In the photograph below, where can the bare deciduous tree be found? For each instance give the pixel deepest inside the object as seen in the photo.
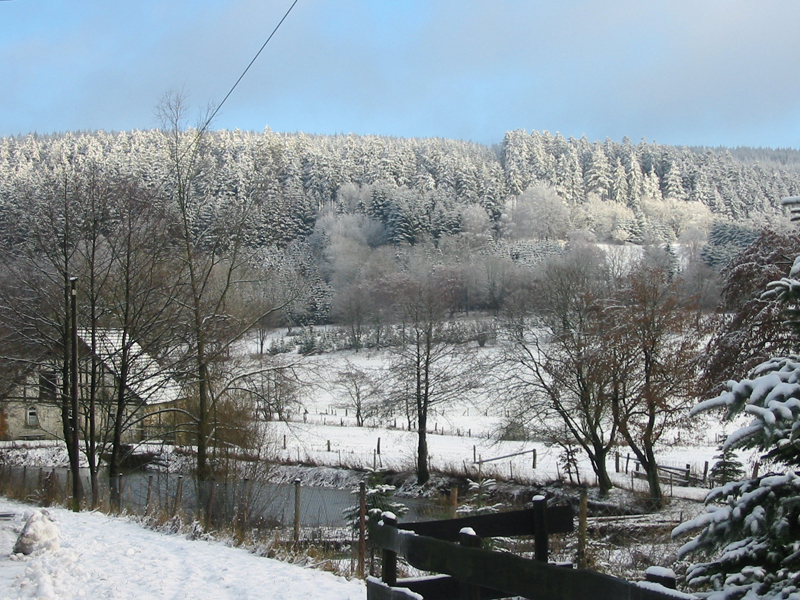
(428, 369)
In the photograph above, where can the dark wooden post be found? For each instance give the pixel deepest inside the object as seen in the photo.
(74, 441)
(389, 558)
(362, 528)
(467, 537)
(582, 518)
(296, 512)
(540, 528)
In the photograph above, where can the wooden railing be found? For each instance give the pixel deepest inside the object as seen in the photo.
(473, 573)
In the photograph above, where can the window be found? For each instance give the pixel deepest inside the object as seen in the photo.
(32, 417)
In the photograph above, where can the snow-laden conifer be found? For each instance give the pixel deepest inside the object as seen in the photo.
(749, 536)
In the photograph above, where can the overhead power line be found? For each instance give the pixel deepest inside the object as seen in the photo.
(203, 129)
(260, 50)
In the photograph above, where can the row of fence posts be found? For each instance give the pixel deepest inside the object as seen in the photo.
(176, 502)
(362, 513)
(48, 485)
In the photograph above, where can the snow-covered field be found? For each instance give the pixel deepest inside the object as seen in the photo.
(107, 557)
(460, 435)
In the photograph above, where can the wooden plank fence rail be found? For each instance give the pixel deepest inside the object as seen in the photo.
(667, 474)
(473, 573)
(558, 519)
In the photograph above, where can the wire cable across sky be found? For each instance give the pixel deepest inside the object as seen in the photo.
(260, 50)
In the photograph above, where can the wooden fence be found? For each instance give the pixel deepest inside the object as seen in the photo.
(473, 573)
(672, 475)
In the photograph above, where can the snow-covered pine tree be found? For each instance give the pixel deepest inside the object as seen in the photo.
(728, 466)
(750, 532)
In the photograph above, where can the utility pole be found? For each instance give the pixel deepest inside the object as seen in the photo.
(74, 441)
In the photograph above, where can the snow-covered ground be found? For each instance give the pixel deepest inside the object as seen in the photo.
(108, 557)
(460, 434)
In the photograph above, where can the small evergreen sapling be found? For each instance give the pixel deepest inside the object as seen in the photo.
(728, 466)
(378, 497)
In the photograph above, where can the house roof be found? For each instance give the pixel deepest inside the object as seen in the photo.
(146, 378)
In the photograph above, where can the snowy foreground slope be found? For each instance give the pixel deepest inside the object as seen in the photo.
(106, 557)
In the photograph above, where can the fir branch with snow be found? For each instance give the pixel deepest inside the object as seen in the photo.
(750, 532)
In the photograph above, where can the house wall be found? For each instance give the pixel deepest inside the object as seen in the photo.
(24, 397)
(35, 393)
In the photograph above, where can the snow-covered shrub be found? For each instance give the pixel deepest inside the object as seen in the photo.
(750, 532)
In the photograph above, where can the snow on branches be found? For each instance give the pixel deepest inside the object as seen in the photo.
(751, 529)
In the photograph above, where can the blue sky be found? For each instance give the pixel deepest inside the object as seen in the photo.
(715, 72)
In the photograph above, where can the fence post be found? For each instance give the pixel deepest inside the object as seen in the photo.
(54, 486)
(468, 538)
(389, 558)
(705, 472)
(616, 461)
(583, 512)
(362, 528)
(453, 500)
(296, 513)
(379, 445)
(210, 505)
(540, 528)
(480, 481)
(245, 503)
(149, 494)
(534, 458)
(178, 491)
